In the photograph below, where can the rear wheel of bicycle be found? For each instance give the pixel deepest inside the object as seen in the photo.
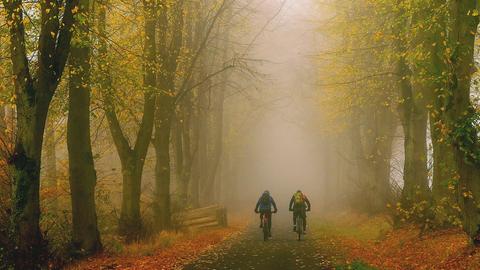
(265, 229)
(299, 228)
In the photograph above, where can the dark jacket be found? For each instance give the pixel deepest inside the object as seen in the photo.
(265, 204)
(304, 206)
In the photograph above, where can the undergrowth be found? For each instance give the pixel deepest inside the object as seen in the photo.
(361, 227)
(150, 247)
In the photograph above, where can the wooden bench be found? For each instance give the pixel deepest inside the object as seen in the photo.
(205, 217)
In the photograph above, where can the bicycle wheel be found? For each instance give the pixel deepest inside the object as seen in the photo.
(299, 227)
(265, 229)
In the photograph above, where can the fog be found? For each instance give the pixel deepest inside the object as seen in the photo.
(284, 152)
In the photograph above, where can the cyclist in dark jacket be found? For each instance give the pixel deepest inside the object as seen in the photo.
(299, 204)
(264, 207)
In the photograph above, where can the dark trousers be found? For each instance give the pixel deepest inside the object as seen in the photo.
(303, 214)
(269, 217)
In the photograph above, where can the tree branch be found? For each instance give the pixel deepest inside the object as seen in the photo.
(361, 79)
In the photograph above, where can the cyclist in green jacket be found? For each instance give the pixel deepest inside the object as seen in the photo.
(299, 204)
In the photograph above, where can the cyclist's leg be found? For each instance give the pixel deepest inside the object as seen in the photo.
(269, 216)
(295, 214)
(261, 219)
(304, 217)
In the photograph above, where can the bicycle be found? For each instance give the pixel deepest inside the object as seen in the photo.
(265, 227)
(299, 226)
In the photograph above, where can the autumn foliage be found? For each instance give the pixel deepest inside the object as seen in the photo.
(374, 242)
(167, 251)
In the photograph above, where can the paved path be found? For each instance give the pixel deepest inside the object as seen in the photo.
(282, 252)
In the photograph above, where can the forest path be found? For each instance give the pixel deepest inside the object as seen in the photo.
(283, 251)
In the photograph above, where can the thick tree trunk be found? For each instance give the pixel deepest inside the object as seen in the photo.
(444, 184)
(165, 109)
(415, 188)
(187, 111)
(186, 147)
(413, 117)
(385, 126)
(130, 223)
(185, 152)
(33, 98)
(85, 234)
(132, 158)
(26, 178)
(444, 180)
(460, 114)
(162, 204)
(444, 171)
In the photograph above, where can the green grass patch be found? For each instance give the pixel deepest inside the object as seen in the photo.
(360, 228)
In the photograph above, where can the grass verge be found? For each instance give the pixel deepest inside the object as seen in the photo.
(371, 241)
(166, 251)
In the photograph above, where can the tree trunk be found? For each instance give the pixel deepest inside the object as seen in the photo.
(216, 151)
(85, 234)
(3, 127)
(444, 172)
(202, 146)
(444, 184)
(186, 107)
(460, 114)
(161, 204)
(179, 157)
(50, 167)
(33, 97)
(385, 126)
(187, 152)
(132, 158)
(196, 158)
(413, 116)
(165, 109)
(415, 189)
(50, 157)
(130, 223)
(26, 178)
